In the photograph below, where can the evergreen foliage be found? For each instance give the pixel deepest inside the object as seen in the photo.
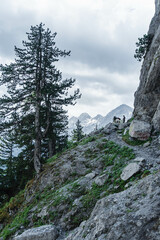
(78, 133)
(15, 169)
(143, 45)
(32, 110)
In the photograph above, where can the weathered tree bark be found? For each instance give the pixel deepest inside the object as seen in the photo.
(37, 145)
(51, 148)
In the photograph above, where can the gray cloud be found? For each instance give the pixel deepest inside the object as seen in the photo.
(100, 34)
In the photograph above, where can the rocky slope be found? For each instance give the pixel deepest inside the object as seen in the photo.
(90, 124)
(147, 96)
(81, 194)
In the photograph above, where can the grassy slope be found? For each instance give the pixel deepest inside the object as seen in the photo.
(59, 201)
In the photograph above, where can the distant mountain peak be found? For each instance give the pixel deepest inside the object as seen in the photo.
(73, 118)
(89, 124)
(98, 116)
(84, 116)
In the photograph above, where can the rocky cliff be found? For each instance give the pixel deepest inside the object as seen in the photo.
(147, 96)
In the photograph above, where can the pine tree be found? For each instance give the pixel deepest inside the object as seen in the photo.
(78, 133)
(35, 89)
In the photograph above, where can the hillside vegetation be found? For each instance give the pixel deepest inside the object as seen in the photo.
(71, 183)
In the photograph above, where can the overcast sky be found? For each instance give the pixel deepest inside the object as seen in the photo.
(101, 35)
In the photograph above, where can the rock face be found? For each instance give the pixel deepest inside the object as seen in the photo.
(140, 130)
(147, 96)
(47, 232)
(130, 214)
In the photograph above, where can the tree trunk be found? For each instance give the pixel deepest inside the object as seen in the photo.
(37, 145)
(51, 148)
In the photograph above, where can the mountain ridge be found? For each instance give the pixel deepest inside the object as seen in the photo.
(89, 123)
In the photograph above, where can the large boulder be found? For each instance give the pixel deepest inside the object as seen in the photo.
(130, 170)
(133, 168)
(46, 232)
(140, 130)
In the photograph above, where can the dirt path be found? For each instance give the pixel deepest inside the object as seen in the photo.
(151, 153)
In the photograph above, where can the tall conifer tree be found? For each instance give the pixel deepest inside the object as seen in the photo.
(35, 90)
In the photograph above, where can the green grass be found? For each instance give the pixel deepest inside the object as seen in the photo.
(87, 140)
(53, 159)
(19, 220)
(113, 157)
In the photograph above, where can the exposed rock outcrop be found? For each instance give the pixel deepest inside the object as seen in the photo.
(140, 130)
(147, 96)
(83, 194)
(132, 214)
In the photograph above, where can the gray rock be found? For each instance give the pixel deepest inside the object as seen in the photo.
(130, 170)
(140, 130)
(100, 180)
(122, 126)
(158, 161)
(147, 97)
(156, 119)
(90, 175)
(46, 232)
(147, 144)
(132, 214)
(43, 212)
(140, 160)
(110, 127)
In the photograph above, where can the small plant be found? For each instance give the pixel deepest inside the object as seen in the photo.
(53, 159)
(19, 220)
(145, 173)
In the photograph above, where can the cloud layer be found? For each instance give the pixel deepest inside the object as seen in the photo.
(101, 36)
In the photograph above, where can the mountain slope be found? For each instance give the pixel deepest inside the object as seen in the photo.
(80, 194)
